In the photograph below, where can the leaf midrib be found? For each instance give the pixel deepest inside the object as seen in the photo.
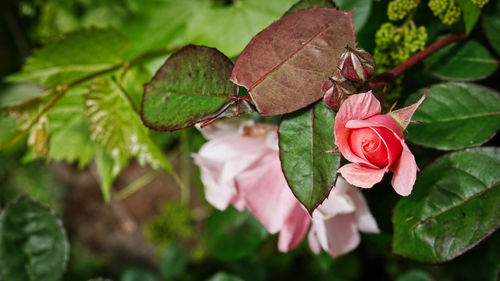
(423, 221)
(278, 66)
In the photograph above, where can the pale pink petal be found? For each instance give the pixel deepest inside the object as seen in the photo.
(342, 233)
(361, 176)
(266, 192)
(337, 202)
(364, 218)
(313, 242)
(355, 107)
(403, 115)
(294, 229)
(358, 107)
(221, 160)
(405, 172)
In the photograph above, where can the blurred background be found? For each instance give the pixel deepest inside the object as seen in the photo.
(151, 228)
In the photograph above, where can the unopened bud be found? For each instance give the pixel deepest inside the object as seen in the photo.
(356, 65)
(336, 90)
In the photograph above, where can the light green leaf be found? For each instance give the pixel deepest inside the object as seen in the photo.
(76, 55)
(159, 24)
(230, 28)
(118, 129)
(464, 61)
(454, 116)
(69, 133)
(33, 245)
(455, 205)
(307, 4)
(303, 137)
(471, 14)
(232, 235)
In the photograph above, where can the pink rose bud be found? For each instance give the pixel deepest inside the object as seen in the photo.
(336, 90)
(374, 143)
(356, 65)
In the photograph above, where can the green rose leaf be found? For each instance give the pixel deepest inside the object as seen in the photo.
(33, 245)
(232, 235)
(464, 61)
(454, 116)
(303, 137)
(192, 86)
(491, 25)
(455, 205)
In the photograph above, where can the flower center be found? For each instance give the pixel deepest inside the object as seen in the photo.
(366, 143)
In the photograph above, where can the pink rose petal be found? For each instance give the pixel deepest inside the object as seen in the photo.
(355, 107)
(405, 172)
(361, 176)
(294, 229)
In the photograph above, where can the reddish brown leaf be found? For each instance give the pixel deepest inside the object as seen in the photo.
(284, 66)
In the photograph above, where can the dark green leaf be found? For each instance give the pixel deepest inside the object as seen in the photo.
(76, 55)
(455, 204)
(33, 245)
(232, 235)
(173, 262)
(307, 4)
(118, 129)
(471, 13)
(222, 276)
(464, 61)
(415, 275)
(454, 116)
(192, 86)
(137, 274)
(303, 137)
(491, 25)
(286, 64)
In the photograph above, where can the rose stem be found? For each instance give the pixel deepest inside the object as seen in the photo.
(379, 81)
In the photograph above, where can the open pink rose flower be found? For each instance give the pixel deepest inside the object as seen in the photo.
(240, 166)
(374, 143)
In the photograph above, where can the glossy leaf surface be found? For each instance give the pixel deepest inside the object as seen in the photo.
(303, 137)
(455, 205)
(454, 116)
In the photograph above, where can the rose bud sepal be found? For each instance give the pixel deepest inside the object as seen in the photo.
(356, 64)
(336, 90)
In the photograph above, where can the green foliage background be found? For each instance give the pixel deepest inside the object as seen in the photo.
(81, 65)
